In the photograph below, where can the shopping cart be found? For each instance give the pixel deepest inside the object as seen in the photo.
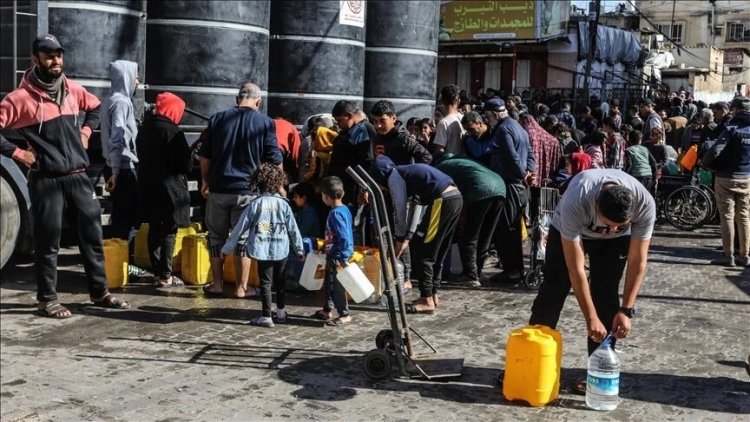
(548, 199)
(394, 346)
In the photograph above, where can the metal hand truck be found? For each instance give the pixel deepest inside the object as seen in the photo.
(548, 199)
(394, 346)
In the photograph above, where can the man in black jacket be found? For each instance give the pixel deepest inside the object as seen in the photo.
(352, 147)
(399, 145)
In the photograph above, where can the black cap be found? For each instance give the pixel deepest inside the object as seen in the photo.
(741, 103)
(645, 102)
(46, 43)
(495, 104)
(720, 104)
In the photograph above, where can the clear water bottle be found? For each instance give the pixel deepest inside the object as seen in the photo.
(399, 281)
(603, 379)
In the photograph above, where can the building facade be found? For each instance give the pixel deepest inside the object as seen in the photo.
(709, 40)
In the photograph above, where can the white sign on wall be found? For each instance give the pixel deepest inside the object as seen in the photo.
(352, 13)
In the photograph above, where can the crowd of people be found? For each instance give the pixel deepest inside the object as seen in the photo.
(470, 177)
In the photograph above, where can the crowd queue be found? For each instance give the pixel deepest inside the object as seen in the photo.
(469, 174)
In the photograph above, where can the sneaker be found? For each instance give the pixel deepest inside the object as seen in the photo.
(743, 261)
(280, 315)
(136, 271)
(725, 261)
(262, 321)
(472, 283)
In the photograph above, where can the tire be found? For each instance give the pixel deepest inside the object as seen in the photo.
(384, 340)
(714, 211)
(376, 364)
(10, 221)
(534, 277)
(687, 208)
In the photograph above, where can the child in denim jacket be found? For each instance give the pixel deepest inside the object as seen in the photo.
(264, 232)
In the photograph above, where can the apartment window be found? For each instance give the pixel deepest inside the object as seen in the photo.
(738, 32)
(674, 31)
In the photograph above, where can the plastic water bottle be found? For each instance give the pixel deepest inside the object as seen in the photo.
(399, 280)
(603, 379)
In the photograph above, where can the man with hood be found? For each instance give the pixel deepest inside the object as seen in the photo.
(426, 207)
(162, 182)
(44, 110)
(118, 133)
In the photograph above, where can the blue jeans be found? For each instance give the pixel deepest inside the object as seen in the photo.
(334, 292)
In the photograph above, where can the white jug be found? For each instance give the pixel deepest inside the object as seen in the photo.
(355, 282)
(313, 273)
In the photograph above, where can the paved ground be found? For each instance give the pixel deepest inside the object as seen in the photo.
(179, 356)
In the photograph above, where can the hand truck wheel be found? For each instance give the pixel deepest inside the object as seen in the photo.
(377, 364)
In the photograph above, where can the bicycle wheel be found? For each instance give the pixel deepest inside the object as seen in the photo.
(713, 213)
(687, 208)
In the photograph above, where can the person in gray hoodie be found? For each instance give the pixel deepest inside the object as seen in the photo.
(118, 133)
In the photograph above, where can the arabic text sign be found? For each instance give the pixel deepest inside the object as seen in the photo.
(486, 20)
(352, 13)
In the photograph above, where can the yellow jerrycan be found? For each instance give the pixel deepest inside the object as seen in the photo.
(533, 360)
(196, 261)
(115, 262)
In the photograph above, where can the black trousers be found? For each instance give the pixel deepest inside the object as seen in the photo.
(271, 275)
(646, 181)
(124, 203)
(49, 196)
(432, 241)
(481, 219)
(607, 259)
(508, 233)
(161, 241)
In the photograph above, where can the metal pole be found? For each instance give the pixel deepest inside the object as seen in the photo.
(593, 24)
(15, 45)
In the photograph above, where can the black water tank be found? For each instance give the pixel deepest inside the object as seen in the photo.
(96, 33)
(401, 59)
(316, 61)
(202, 50)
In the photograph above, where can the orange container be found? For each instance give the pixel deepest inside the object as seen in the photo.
(230, 275)
(532, 365)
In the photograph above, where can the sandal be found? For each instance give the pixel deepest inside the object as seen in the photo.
(411, 308)
(207, 291)
(322, 315)
(338, 322)
(55, 311)
(111, 302)
(580, 388)
(256, 293)
(176, 282)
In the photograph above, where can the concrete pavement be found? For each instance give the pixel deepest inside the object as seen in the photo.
(180, 356)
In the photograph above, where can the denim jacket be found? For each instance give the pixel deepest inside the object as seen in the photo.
(265, 230)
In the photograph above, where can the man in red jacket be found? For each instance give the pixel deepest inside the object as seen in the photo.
(44, 110)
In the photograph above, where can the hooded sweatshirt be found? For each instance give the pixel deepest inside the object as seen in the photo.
(51, 129)
(119, 129)
(417, 183)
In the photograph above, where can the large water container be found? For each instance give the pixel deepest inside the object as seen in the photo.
(532, 365)
(96, 33)
(401, 55)
(202, 50)
(316, 61)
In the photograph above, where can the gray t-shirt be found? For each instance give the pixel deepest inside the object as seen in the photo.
(449, 133)
(575, 215)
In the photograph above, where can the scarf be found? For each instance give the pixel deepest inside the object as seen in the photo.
(52, 89)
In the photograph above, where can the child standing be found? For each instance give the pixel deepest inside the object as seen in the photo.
(264, 232)
(339, 243)
(307, 218)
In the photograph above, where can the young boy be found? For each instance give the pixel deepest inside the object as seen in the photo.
(339, 244)
(307, 217)
(268, 227)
